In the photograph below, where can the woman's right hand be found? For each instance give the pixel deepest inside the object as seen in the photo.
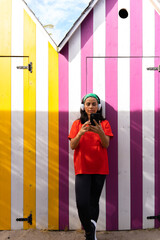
(85, 128)
(75, 141)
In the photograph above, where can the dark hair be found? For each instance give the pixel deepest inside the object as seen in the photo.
(84, 117)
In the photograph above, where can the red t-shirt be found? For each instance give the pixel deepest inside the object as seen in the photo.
(90, 157)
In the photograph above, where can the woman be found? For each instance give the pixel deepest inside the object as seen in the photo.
(90, 145)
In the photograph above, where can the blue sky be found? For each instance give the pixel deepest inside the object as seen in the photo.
(61, 13)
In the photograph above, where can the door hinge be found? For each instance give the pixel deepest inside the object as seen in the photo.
(154, 217)
(28, 219)
(29, 67)
(154, 68)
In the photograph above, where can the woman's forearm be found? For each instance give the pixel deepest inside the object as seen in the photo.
(104, 139)
(75, 141)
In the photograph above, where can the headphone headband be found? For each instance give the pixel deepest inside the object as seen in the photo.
(91, 95)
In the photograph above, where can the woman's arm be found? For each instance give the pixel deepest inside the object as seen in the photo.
(75, 141)
(104, 139)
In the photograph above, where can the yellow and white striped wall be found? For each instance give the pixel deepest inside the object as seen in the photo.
(29, 132)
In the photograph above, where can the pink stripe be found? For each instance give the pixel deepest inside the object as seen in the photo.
(87, 51)
(157, 120)
(63, 140)
(136, 113)
(111, 113)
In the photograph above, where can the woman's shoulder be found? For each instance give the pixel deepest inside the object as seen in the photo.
(77, 122)
(104, 121)
(107, 128)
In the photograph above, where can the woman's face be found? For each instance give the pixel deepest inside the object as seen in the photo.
(90, 106)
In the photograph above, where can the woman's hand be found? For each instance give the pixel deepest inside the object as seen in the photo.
(98, 129)
(75, 141)
(85, 128)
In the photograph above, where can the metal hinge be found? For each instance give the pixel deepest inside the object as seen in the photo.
(28, 219)
(29, 67)
(154, 68)
(154, 217)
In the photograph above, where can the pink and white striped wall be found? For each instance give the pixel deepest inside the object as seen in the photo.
(109, 55)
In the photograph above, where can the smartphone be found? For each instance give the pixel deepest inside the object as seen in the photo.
(95, 116)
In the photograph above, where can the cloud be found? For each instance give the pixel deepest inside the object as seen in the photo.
(61, 13)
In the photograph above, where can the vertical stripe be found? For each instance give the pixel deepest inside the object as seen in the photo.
(99, 29)
(124, 144)
(16, 144)
(17, 29)
(17, 116)
(29, 122)
(111, 100)
(63, 143)
(157, 119)
(136, 113)
(148, 114)
(99, 81)
(74, 109)
(41, 130)
(5, 115)
(53, 140)
(124, 118)
(87, 51)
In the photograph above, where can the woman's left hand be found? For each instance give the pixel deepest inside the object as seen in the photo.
(98, 129)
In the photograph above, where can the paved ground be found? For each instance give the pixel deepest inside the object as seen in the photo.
(153, 234)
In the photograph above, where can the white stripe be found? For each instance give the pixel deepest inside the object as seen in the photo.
(148, 114)
(17, 116)
(99, 37)
(99, 82)
(99, 29)
(41, 129)
(74, 107)
(124, 118)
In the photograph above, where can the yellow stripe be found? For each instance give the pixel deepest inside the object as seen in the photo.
(5, 114)
(29, 122)
(53, 141)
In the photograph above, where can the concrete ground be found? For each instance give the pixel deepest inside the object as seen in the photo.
(32, 234)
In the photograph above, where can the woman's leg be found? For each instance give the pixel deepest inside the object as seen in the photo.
(97, 184)
(83, 191)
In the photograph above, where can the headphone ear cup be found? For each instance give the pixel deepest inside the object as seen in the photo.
(99, 106)
(82, 106)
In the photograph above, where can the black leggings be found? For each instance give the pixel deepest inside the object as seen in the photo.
(88, 189)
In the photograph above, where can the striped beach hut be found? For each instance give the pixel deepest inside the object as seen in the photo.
(28, 120)
(108, 51)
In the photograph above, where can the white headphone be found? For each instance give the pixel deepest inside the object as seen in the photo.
(90, 95)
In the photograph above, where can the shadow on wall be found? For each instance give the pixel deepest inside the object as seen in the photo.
(127, 151)
(128, 139)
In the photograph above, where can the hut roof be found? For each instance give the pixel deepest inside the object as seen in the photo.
(30, 10)
(77, 23)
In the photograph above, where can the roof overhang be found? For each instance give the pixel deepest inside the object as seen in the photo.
(156, 5)
(34, 17)
(77, 24)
